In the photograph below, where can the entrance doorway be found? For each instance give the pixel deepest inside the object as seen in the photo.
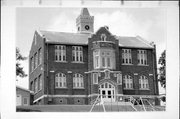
(107, 92)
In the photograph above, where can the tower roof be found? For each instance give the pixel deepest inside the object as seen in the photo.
(84, 11)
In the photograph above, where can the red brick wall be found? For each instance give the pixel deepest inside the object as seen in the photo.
(40, 68)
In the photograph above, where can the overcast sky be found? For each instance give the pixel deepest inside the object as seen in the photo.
(149, 23)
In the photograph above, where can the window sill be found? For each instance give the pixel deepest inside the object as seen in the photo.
(77, 62)
(142, 65)
(60, 87)
(144, 89)
(128, 88)
(61, 61)
(126, 64)
(78, 88)
(119, 84)
(95, 83)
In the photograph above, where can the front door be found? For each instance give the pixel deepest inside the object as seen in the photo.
(18, 100)
(107, 92)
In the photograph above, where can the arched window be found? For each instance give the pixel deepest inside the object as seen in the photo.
(78, 81)
(128, 82)
(143, 82)
(103, 37)
(60, 80)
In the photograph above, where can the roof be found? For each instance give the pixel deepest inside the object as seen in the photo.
(22, 88)
(85, 12)
(137, 42)
(65, 38)
(82, 39)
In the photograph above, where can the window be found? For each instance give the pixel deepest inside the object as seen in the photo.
(126, 56)
(77, 54)
(32, 64)
(39, 82)
(60, 53)
(128, 82)
(103, 37)
(60, 80)
(119, 78)
(35, 60)
(25, 101)
(39, 56)
(36, 85)
(143, 82)
(142, 57)
(96, 59)
(31, 86)
(78, 81)
(95, 78)
(104, 58)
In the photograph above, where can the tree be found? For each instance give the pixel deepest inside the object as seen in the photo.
(19, 69)
(162, 69)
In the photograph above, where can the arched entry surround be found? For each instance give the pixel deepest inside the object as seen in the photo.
(107, 90)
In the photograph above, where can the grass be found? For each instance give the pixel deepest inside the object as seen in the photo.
(84, 108)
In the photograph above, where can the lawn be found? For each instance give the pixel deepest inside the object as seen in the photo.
(84, 108)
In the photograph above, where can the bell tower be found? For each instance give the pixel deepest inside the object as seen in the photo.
(85, 22)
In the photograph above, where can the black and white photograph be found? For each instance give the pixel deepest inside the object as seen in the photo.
(92, 59)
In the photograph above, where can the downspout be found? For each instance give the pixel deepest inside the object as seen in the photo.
(155, 71)
(47, 75)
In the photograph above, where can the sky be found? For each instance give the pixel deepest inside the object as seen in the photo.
(149, 23)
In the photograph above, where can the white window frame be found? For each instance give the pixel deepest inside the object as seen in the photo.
(143, 83)
(95, 78)
(106, 58)
(60, 53)
(96, 59)
(126, 56)
(142, 57)
(128, 82)
(103, 37)
(119, 78)
(77, 54)
(78, 81)
(27, 101)
(60, 80)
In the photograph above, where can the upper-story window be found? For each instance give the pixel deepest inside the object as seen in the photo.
(35, 60)
(142, 57)
(128, 82)
(39, 56)
(143, 82)
(126, 56)
(95, 78)
(60, 80)
(103, 37)
(31, 64)
(40, 82)
(32, 86)
(104, 58)
(77, 53)
(60, 53)
(96, 59)
(78, 81)
(36, 85)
